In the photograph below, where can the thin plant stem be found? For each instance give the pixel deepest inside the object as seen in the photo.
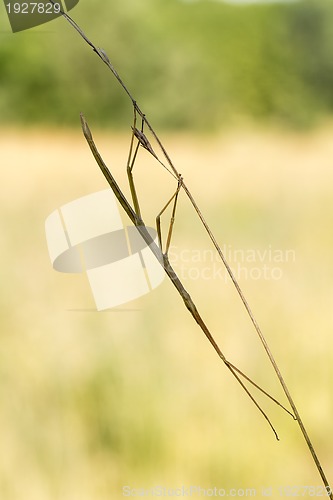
(188, 302)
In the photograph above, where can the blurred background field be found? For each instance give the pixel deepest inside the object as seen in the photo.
(210, 63)
(91, 402)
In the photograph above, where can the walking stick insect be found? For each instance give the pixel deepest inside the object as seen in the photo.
(135, 216)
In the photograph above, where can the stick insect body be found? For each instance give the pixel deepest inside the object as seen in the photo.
(135, 216)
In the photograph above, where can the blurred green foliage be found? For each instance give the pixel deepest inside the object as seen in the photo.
(195, 65)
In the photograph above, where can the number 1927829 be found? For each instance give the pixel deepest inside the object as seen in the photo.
(33, 8)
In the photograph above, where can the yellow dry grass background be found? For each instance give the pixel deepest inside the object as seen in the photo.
(91, 402)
